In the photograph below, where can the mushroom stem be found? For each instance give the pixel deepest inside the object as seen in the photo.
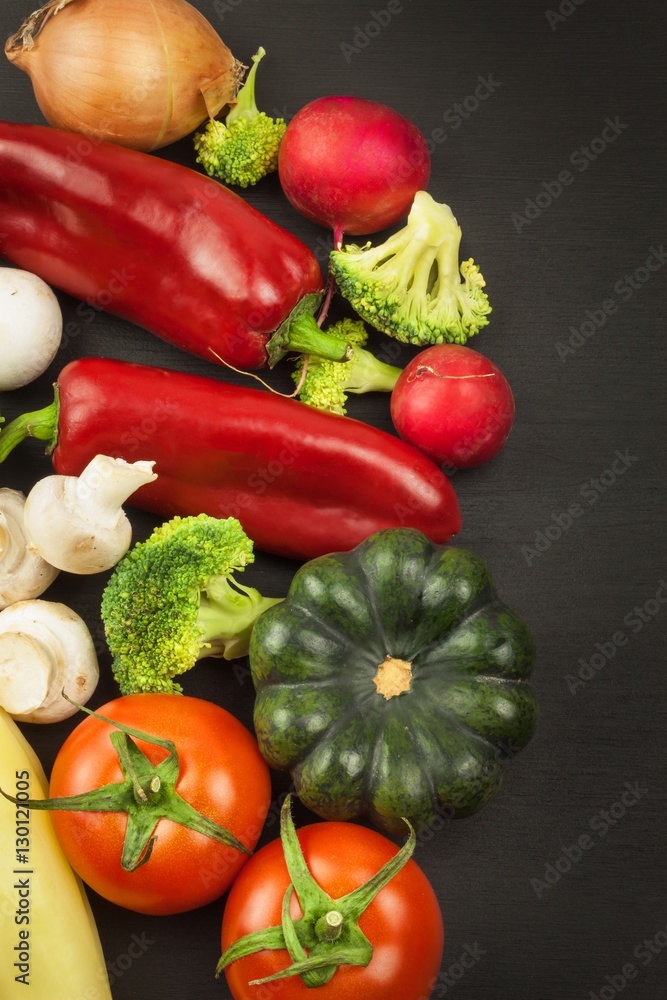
(78, 523)
(99, 493)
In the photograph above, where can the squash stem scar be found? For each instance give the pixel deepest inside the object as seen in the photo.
(393, 677)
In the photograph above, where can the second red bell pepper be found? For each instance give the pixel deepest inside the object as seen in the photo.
(302, 482)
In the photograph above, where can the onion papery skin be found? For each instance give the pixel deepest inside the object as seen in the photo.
(138, 73)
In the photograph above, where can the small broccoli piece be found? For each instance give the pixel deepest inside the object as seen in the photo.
(172, 600)
(245, 147)
(409, 287)
(327, 382)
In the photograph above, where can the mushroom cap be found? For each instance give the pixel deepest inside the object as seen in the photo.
(31, 326)
(45, 650)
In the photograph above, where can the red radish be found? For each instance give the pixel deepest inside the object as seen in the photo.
(454, 405)
(352, 165)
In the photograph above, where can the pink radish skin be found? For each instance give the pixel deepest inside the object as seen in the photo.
(454, 405)
(352, 165)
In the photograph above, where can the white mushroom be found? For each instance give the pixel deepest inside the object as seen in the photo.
(23, 572)
(31, 327)
(77, 523)
(45, 649)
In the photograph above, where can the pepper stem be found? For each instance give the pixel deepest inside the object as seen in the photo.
(41, 424)
(300, 334)
(306, 337)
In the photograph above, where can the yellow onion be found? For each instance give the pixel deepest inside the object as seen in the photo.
(142, 73)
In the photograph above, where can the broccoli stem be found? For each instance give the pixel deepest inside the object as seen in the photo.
(227, 614)
(246, 106)
(40, 424)
(368, 374)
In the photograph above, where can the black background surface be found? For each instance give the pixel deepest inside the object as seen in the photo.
(554, 87)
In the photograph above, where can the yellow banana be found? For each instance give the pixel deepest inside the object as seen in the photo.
(48, 938)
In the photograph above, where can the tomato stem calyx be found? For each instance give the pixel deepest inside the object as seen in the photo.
(327, 936)
(329, 927)
(147, 794)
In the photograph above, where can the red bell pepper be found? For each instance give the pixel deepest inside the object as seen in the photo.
(302, 482)
(158, 244)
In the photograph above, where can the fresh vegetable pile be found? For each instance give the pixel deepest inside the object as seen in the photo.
(390, 681)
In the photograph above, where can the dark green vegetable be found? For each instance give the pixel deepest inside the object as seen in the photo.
(392, 682)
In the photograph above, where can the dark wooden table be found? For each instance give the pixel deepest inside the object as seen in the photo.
(555, 172)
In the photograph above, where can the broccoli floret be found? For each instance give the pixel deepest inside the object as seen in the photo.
(409, 287)
(327, 382)
(172, 600)
(245, 147)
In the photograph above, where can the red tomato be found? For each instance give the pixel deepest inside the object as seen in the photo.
(454, 405)
(403, 923)
(222, 775)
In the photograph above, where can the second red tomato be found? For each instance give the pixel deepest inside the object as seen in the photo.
(403, 923)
